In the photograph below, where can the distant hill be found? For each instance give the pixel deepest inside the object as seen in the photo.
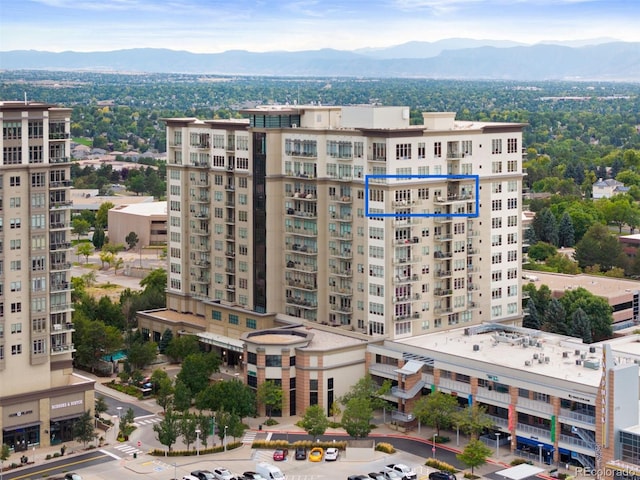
(453, 58)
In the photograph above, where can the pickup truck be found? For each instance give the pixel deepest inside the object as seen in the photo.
(406, 472)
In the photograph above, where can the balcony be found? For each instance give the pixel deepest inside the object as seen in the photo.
(344, 291)
(341, 253)
(442, 292)
(341, 199)
(303, 249)
(342, 235)
(442, 310)
(377, 158)
(403, 221)
(341, 272)
(59, 286)
(200, 231)
(453, 198)
(202, 215)
(473, 251)
(301, 285)
(201, 247)
(230, 270)
(443, 220)
(407, 298)
(60, 246)
(229, 188)
(303, 303)
(202, 263)
(61, 307)
(405, 241)
(407, 260)
(200, 279)
(200, 199)
(59, 226)
(231, 287)
(302, 267)
(60, 184)
(577, 416)
(439, 254)
(58, 160)
(342, 217)
(58, 266)
(62, 327)
(301, 213)
(57, 204)
(443, 273)
(303, 176)
(200, 164)
(229, 254)
(405, 279)
(304, 232)
(60, 349)
(230, 238)
(304, 196)
(443, 238)
(58, 135)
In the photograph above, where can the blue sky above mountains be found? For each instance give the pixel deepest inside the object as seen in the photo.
(210, 26)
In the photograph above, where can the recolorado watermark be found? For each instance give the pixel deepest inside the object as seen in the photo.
(605, 472)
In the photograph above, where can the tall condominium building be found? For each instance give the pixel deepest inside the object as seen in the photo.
(40, 396)
(346, 216)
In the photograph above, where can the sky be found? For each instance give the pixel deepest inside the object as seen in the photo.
(212, 26)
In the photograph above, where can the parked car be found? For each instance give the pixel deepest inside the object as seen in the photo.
(253, 476)
(315, 455)
(358, 477)
(189, 477)
(331, 454)
(203, 474)
(442, 476)
(301, 453)
(280, 455)
(222, 473)
(377, 475)
(72, 476)
(392, 475)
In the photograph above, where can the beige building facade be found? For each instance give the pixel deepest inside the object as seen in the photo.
(147, 220)
(40, 396)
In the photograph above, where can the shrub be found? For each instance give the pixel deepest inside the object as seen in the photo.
(269, 422)
(335, 424)
(185, 453)
(308, 444)
(470, 476)
(438, 465)
(385, 447)
(520, 461)
(441, 439)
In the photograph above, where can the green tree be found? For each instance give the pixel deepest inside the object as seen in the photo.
(181, 347)
(473, 420)
(156, 280)
(555, 318)
(164, 392)
(270, 395)
(532, 318)
(597, 310)
(357, 416)
(5, 453)
(93, 339)
(98, 238)
(546, 227)
(181, 396)
(580, 326)
(102, 215)
(541, 251)
(166, 338)
(126, 423)
(566, 233)
(314, 421)
(599, 247)
(83, 429)
(368, 389)
(196, 370)
(80, 226)
(474, 454)
(84, 249)
(117, 263)
(132, 240)
(436, 410)
(106, 257)
(100, 406)
(135, 184)
(188, 426)
(167, 430)
(231, 396)
(139, 355)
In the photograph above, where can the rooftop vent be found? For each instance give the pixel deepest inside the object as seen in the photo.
(476, 348)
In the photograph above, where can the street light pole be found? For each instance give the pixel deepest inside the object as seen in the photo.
(119, 412)
(540, 453)
(433, 450)
(198, 442)
(175, 471)
(498, 445)
(224, 440)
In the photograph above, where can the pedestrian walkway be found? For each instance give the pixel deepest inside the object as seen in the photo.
(146, 420)
(128, 449)
(249, 437)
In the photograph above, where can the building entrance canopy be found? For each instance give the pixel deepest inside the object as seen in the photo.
(520, 472)
(221, 341)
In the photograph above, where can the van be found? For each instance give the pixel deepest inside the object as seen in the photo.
(270, 472)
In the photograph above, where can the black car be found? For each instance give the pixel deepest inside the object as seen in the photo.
(358, 477)
(252, 476)
(377, 476)
(301, 453)
(442, 476)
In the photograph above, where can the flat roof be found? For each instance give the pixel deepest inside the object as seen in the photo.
(605, 287)
(545, 354)
(146, 209)
(308, 338)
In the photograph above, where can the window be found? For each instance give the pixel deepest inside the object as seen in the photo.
(15, 244)
(496, 205)
(496, 146)
(16, 349)
(273, 360)
(16, 265)
(38, 180)
(403, 151)
(14, 181)
(496, 167)
(251, 323)
(496, 222)
(512, 145)
(437, 149)
(16, 328)
(16, 307)
(38, 347)
(216, 315)
(233, 319)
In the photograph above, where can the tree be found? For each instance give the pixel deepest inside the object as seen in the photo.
(164, 393)
(83, 429)
(314, 421)
(167, 429)
(102, 215)
(181, 347)
(555, 318)
(566, 233)
(181, 397)
(231, 396)
(126, 423)
(98, 238)
(166, 338)
(5, 453)
(597, 310)
(84, 249)
(357, 416)
(541, 251)
(367, 388)
(117, 263)
(473, 420)
(580, 326)
(79, 226)
(106, 257)
(139, 355)
(599, 247)
(270, 395)
(188, 426)
(156, 280)
(196, 370)
(93, 339)
(532, 318)
(335, 410)
(100, 406)
(436, 410)
(474, 454)
(132, 240)
(546, 227)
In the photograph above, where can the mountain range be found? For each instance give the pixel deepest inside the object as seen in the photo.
(454, 58)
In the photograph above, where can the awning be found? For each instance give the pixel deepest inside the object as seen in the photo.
(524, 470)
(221, 341)
(17, 427)
(410, 368)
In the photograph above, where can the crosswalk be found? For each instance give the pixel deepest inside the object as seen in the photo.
(249, 436)
(128, 449)
(147, 420)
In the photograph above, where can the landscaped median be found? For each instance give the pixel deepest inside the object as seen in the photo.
(202, 451)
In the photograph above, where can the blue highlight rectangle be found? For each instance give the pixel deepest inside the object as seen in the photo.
(473, 214)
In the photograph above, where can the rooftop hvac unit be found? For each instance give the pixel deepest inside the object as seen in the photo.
(476, 348)
(592, 349)
(541, 359)
(547, 359)
(583, 356)
(578, 362)
(592, 363)
(576, 352)
(535, 356)
(527, 363)
(565, 354)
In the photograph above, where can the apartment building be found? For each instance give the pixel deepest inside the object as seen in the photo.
(40, 396)
(347, 216)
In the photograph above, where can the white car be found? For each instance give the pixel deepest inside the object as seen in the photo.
(331, 454)
(222, 474)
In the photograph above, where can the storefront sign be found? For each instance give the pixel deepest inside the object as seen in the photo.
(72, 403)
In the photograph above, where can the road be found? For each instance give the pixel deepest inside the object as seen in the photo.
(60, 466)
(113, 404)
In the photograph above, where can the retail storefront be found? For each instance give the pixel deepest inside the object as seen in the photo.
(21, 426)
(64, 411)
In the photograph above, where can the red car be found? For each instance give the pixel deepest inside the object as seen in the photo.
(280, 455)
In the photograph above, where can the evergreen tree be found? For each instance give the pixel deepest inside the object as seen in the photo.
(166, 338)
(532, 319)
(167, 430)
(555, 318)
(83, 429)
(549, 226)
(98, 238)
(581, 325)
(566, 233)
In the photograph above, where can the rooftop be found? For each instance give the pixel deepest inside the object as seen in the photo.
(146, 209)
(605, 287)
(533, 351)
